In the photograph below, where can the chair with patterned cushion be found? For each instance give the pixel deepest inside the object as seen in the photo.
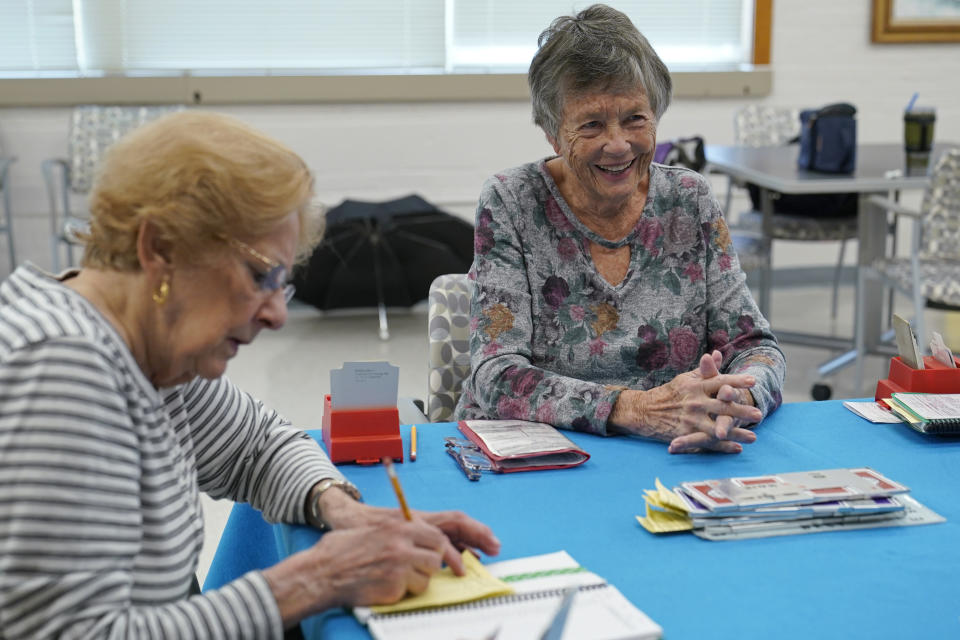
(762, 126)
(448, 334)
(765, 125)
(931, 275)
(93, 128)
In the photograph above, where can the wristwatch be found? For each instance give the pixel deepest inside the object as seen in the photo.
(313, 498)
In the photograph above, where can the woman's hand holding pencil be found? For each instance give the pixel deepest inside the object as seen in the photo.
(373, 555)
(460, 530)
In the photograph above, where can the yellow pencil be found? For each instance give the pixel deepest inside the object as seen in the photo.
(388, 464)
(413, 443)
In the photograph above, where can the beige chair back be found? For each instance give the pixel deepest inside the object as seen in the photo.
(448, 334)
(940, 237)
(759, 125)
(93, 128)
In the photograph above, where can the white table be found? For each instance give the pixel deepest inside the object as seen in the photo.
(880, 169)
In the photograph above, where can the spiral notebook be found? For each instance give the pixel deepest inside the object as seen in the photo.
(930, 412)
(599, 611)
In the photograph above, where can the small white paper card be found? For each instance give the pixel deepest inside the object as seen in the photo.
(907, 343)
(363, 385)
(872, 411)
(941, 351)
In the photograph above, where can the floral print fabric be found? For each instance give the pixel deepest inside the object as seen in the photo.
(552, 341)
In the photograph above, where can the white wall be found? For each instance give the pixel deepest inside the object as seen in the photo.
(821, 53)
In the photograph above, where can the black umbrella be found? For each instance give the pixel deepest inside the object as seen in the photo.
(383, 254)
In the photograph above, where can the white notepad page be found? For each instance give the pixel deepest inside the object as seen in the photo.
(599, 611)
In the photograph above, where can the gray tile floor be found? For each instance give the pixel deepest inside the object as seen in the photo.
(289, 369)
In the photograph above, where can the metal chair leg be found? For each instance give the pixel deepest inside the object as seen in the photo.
(836, 281)
(729, 199)
(766, 276)
(8, 225)
(378, 282)
(384, 330)
(766, 281)
(919, 302)
(860, 342)
(54, 254)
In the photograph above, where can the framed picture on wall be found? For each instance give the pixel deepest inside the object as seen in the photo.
(916, 21)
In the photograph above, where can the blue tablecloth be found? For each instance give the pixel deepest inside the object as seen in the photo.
(895, 582)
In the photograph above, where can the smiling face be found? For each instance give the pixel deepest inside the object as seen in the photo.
(607, 141)
(214, 309)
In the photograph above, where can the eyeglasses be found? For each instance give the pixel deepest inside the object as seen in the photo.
(468, 456)
(274, 278)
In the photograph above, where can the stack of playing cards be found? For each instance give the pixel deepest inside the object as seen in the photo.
(783, 504)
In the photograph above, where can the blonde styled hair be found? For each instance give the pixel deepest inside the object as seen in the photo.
(200, 178)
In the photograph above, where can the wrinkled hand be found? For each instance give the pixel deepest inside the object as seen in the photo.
(359, 566)
(381, 564)
(459, 530)
(686, 410)
(727, 431)
(462, 532)
(727, 393)
(373, 556)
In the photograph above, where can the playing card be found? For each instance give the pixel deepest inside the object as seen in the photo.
(731, 494)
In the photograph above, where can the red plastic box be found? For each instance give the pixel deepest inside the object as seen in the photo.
(936, 377)
(364, 436)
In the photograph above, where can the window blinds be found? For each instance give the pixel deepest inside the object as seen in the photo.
(37, 37)
(135, 37)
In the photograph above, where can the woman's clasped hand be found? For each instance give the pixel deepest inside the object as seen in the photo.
(698, 410)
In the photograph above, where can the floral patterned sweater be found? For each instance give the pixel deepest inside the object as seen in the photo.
(552, 341)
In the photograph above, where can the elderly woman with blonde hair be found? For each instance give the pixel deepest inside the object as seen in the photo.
(608, 296)
(116, 413)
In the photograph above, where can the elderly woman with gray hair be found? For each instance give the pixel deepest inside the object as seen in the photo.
(609, 298)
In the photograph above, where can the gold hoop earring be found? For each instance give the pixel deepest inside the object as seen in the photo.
(160, 295)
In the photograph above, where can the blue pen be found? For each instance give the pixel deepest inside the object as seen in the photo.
(913, 100)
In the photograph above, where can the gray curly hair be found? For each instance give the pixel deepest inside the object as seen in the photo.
(598, 49)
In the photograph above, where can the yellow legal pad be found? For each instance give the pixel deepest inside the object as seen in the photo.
(446, 589)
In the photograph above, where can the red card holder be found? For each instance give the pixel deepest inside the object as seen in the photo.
(364, 436)
(935, 377)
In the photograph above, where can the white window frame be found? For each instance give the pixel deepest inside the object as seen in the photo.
(743, 80)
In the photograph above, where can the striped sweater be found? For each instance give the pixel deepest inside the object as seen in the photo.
(100, 473)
